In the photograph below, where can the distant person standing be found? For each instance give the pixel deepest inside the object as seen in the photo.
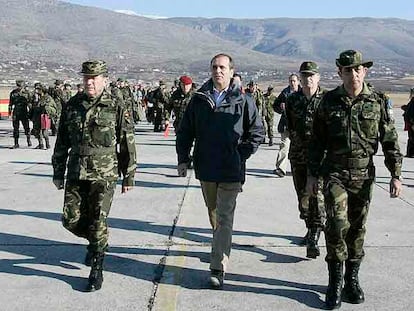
(226, 129)
(300, 109)
(349, 123)
(409, 124)
(95, 143)
(19, 106)
(279, 106)
(269, 99)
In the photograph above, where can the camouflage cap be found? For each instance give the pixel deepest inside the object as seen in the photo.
(121, 80)
(94, 68)
(270, 88)
(251, 83)
(352, 58)
(309, 67)
(161, 82)
(20, 82)
(58, 82)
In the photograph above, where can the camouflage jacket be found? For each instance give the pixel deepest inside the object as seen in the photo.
(269, 99)
(58, 97)
(257, 97)
(346, 134)
(178, 103)
(96, 137)
(19, 103)
(67, 94)
(45, 105)
(299, 116)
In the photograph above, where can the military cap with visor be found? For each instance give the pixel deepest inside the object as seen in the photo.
(352, 58)
(94, 68)
(309, 67)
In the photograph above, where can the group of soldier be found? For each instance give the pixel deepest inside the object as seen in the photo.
(333, 137)
(42, 105)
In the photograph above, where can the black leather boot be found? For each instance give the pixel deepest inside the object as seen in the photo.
(333, 294)
(96, 277)
(88, 258)
(312, 248)
(352, 292)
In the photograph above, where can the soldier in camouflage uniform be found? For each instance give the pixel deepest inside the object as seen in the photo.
(160, 99)
(180, 99)
(257, 95)
(127, 96)
(44, 105)
(300, 108)
(98, 145)
(269, 99)
(19, 106)
(67, 92)
(57, 94)
(348, 125)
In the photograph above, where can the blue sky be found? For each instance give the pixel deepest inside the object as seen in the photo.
(260, 8)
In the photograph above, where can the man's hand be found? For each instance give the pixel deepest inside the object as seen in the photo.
(312, 185)
(395, 187)
(58, 183)
(182, 169)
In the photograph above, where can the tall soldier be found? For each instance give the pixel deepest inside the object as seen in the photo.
(350, 122)
(95, 135)
(300, 109)
(253, 91)
(269, 98)
(19, 106)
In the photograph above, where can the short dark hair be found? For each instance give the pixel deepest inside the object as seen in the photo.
(231, 63)
(237, 75)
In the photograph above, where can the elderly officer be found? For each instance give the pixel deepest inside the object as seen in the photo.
(95, 135)
(350, 122)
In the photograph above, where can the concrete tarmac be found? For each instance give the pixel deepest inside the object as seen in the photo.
(160, 239)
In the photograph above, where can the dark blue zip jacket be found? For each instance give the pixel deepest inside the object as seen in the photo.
(224, 136)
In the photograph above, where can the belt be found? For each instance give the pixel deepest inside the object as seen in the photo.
(87, 150)
(352, 163)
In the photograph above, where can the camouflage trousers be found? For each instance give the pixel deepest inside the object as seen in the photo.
(268, 123)
(347, 204)
(85, 210)
(311, 208)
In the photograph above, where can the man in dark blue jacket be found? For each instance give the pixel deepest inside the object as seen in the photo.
(227, 129)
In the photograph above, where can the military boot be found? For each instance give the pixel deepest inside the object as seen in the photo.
(352, 292)
(334, 291)
(88, 258)
(270, 141)
(40, 145)
(29, 142)
(304, 240)
(312, 248)
(96, 277)
(16, 143)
